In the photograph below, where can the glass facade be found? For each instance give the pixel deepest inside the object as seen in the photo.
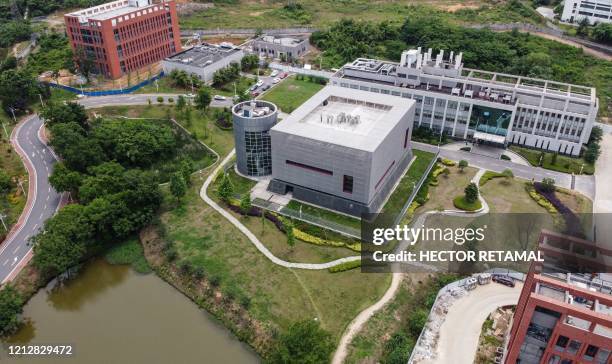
(258, 153)
(490, 120)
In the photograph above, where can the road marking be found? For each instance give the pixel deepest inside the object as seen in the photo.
(5, 262)
(14, 261)
(16, 249)
(48, 197)
(41, 216)
(49, 189)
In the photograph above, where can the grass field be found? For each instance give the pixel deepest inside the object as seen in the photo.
(279, 296)
(563, 164)
(325, 214)
(320, 13)
(441, 196)
(291, 93)
(403, 190)
(164, 85)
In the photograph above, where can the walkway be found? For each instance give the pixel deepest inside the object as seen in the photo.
(460, 331)
(258, 244)
(356, 325)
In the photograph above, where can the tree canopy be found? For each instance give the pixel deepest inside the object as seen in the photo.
(305, 343)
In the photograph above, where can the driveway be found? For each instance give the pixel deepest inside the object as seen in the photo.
(461, 329)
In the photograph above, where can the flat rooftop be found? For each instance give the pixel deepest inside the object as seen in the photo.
(350, 118)
(114, 9)
(203, 55)
(286, 41)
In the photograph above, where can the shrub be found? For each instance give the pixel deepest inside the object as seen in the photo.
(11, 303)
(463, 164)
(448, 162)
(548, 184)
(466, 149)
(160, 99)
(505, 157)
(539, 199)
(417, 321)
(487, 176)
(460, 203)
(345, 266)
(471, 193)
(170, 100)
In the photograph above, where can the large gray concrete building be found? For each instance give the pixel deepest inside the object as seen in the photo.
(252, 123)
(203, 60)
(480, 105)
(343, 149)
(290, 48)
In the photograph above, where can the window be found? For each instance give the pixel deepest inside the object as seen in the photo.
(406, 138)
(574, 347)
(384, 175)
(590, 352)
(562, 342)
(312, 168)
(347, 184)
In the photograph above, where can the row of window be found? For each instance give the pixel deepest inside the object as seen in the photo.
(136, 30)
(258, 153)
(133, 47)
(151, 56)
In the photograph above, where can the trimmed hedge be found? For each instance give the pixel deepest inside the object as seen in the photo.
(345, 266)
(448, 162)
(489, 175)
(541, 200)
(307, 238)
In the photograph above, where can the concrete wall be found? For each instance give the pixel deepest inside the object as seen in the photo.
(292, 52)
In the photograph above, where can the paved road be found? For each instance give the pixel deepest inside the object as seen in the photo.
(583, 183)
(463, 323)
(39, 161)
(137, 99)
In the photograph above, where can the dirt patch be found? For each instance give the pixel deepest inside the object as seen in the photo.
(220, 39)
(454, 7)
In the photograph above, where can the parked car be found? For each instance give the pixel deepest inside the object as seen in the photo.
(505, 280)
(274, 73)
(259, 83)
(276, 80)
(265, 87)
(254, 87)
(190, 96)
(282, 75)
(255, 93)
(219, 97)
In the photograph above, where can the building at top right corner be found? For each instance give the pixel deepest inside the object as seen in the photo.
(481, 106)
(596, 11)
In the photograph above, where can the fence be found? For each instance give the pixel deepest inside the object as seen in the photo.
(244, 31)
(106, 92)
(416, 189)
(308, 218)
(302, 71)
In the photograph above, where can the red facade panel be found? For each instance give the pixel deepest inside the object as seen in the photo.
(131, 40)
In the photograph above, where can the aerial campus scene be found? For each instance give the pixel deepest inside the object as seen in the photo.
(306, 181)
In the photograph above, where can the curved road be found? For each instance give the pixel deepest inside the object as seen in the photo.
(43, 200)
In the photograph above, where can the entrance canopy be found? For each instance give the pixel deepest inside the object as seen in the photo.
(491, 138)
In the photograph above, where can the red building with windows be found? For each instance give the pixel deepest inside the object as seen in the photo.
(123, 36)
(563, 317)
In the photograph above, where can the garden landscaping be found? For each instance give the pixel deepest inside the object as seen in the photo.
(559, 163)
(292, 92)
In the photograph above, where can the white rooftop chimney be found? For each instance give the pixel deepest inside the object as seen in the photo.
(458, 60)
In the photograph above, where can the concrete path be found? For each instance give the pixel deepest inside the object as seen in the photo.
(258, 244)
(462, 325)
(603, 176)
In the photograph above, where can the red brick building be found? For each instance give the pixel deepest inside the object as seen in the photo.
(122, 36)
(562, 317)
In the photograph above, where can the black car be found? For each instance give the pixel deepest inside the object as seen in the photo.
(505, 280)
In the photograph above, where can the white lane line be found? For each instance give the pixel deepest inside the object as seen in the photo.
(48, 197)
(41, 216)
(5, 262)
(14, 262)
(49, 189)
(16, 249)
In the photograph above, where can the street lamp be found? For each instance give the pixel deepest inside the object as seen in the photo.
(2, 217)
(13, 112)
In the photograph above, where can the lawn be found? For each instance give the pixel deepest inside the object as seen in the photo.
(242, 84)
(325, 214)
(400, 195)
(321, 13)
(291, 93)
(279, 296)
(164, 85)
(564, 163)
(441, 196)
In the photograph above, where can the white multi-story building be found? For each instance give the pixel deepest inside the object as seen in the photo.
(597, 11)
(480, 105)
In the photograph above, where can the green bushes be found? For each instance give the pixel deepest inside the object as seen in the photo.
(489, 175)
(448, 162)
(11, 303)
(541, 200)
(129, 252)
(345, 266)
(461, 203)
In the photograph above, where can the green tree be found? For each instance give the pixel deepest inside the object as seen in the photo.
(583, 27)
(304, 343)
(596, 135)
(65, 180)
(63, 241)
(160, 100)
(548, 184)
(471, 193)
(70, 142)
(553, 159)
(463, 164)
(178, 186)
(56, 112)
(245, 203)
(602, 32)
(203, 99)
(398, 348)
(187, 168)
(226, 189)
(11, 303)
(17, 88)
(592, 153)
